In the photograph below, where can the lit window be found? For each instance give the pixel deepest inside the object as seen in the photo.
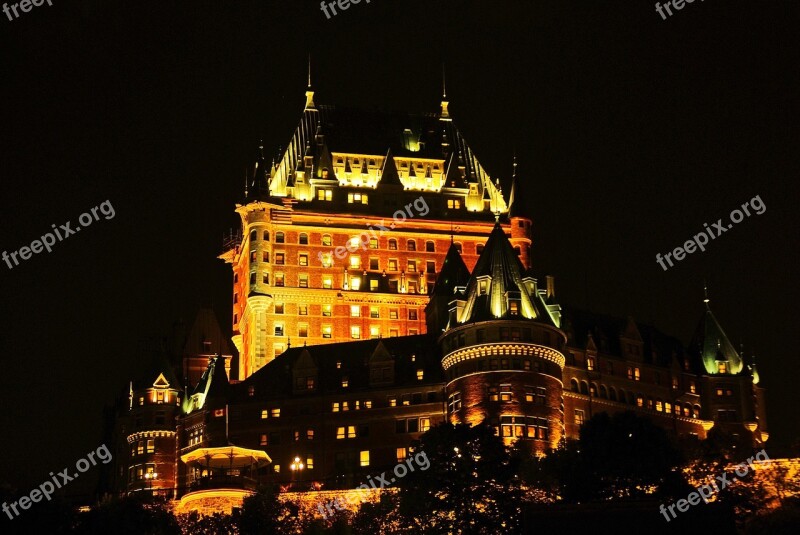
(494, 393)
(309, 434)
(630, 373)
(310, 463)
(513, 307)
(278, 307)
(580, 417)
(373, 244)
(326, 331)
(364, 458)
(345, 381)
(636, 375)
(659, 406)
(326, 240)
(590, 363)
(355, 311)
(454, 402)
(264, 414)
(276, 468)
(275, 413)
(392, 244)
(327, 281)
(722, 367)
(373, 284)
(424, 424)
(420, 375)
(302, 310)
(393, 402)
(412, 245)
(355, 332)
(326, 310)
(639, 400)
(335, 406)
(324, 194)
(402, 453)
(483, 286)
(412, 314)
(302, 280)
(355, 283)
(368, 404)
(302, 330)
(303, 260)
(392, 265)
(374, 332)
(280, 237)
(345, 405)
(453, 203)
(505, 392)
(692, 387)
(279, 279)
(263, 440)
(280, 259)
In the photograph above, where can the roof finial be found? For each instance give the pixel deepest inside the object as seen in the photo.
(309, 91)
(309, 70)
(705, 293)
(245, 181)
(514, 167)
(444, 83)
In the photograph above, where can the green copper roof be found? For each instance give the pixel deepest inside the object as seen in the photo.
(711, 346)
(496, 280)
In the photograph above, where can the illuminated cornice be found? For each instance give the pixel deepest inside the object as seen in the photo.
(149, 434)
(503, 349)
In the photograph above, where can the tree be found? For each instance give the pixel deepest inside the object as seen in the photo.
(468, 488)
(216, 524)
(264, 512)
(131, 515)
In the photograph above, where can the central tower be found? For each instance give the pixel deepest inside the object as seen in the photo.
(343, 238)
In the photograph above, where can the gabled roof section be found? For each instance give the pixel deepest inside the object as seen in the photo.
(212, 385)
(389, 176)
(496, 280)
(711, 345)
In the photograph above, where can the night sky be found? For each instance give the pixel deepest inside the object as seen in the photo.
(630, 131)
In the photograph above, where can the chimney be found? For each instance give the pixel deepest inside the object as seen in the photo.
(551, 286)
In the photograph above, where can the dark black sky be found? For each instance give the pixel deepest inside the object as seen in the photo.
(631, 132)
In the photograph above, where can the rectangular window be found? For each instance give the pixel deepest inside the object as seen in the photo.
(393, 314)
(494, 393)
(392, 264)
(345, 381)
(303, 260)
(355, 311)
(279, 329)
(412, 313)
(424, 424)
(326, 310)
(265, 256)
(430, 266)
(373, 243)
(412, 245)
(374, 264)
(335, 406)
(324, 194)
(303, 280)
(340, 433)
(309, 434)
(302, 310)
(302, 330)
(275, 413)
(454, 402)
(580, 417)
(590, 363)
(355, 332)
(412, 266)
(326, 331)
(374, 332)
(327, 281)
(278, 307)
(374, 312)
(280, 259)
(505, 392)
(279, 279)
(263, 440)
(364, 458)
(420, 375)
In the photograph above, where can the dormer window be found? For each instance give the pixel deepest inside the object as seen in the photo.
(483, 286)
(722, 366)
(513, 307)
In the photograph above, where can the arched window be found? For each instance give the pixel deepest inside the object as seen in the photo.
(603, 392)
(303, 238)
(392, 244)
(430, 247)
(266, 235)
(280, 237)
(253, 235)
(687, 410)
(612, 394)
(574, 385)
(696, 411)
(326, 240)
(593, 390)
(412, 245)
(584, 388)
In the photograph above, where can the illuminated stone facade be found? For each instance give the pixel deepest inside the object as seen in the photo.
(382, 284)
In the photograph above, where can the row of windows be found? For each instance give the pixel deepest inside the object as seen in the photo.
(327, 240)
(412, 425)
(523, 427)
(337, 406)
(353, 283)
(531, 394)
(327, 331)
(633, 372)
(141, 472)
(143, 446)
(639, 400)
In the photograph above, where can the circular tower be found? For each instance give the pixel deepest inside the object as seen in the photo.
(502, 352)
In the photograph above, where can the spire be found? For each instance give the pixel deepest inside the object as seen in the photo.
(445, 113)
(309, 91)
(706, 300)
(711, 348)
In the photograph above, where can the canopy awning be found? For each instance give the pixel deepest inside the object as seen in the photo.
(226, 457)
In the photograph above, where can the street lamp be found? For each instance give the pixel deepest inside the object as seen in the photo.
(296, 466)
(150, 476)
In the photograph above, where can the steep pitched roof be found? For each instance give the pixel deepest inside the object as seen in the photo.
(206, 329)
(454, 273)
(497, 277)
(710, 344)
